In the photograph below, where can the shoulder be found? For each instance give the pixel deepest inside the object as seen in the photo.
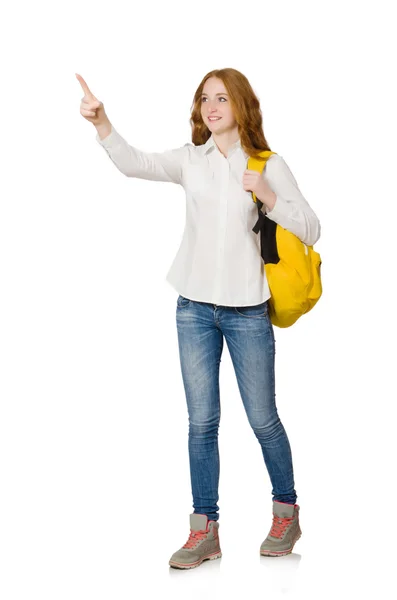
(190, 148)
(193, 154)
(277, 167)
(194, 149)
(275, 160)
(274, 165)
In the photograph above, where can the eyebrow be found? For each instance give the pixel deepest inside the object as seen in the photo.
(220, 94)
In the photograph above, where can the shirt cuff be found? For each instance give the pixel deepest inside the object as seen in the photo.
(277, 210)
(109, 140)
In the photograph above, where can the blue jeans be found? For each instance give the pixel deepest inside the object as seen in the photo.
(250, 338)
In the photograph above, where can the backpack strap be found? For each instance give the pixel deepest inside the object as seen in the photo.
(254, 164)
(265, 226)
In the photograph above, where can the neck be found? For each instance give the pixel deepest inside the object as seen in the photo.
(226, 139)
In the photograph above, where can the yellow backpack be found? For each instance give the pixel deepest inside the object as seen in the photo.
(292, 268)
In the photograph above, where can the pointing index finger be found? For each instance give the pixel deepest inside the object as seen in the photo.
(83, 84)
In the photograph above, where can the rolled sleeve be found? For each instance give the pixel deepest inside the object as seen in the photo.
(155, 166)
(291, 210)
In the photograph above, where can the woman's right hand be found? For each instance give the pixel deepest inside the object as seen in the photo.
(90, 107)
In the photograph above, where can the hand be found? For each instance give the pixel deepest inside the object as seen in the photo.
(253, 181)
(90, 107)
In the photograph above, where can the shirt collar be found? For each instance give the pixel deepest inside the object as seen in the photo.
(210, 144)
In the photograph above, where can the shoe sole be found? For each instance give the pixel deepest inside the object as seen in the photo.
(283, 552)
(177, 565)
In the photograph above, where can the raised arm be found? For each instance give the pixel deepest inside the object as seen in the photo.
(156, 166)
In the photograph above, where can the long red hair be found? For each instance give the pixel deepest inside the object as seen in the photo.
(246, 110)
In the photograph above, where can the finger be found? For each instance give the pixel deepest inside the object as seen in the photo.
(83, 84)
(88, 113)
(89, 105)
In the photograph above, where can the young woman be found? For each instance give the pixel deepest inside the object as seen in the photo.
(219, 275)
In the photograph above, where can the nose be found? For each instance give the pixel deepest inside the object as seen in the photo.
(211, 109)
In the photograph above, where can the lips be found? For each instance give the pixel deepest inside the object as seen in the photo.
(214, 118)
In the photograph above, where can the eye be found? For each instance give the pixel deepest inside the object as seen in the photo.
(220, 98)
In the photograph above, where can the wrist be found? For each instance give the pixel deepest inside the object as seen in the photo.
(269, 201)
(104, 129)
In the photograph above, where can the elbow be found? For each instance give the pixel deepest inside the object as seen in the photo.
(314, 233)
(311, 232)
(318, 232)
(125, 170)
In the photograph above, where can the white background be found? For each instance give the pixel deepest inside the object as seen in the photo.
(94, 472)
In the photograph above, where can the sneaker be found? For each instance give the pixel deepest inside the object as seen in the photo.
(203, 544)
(285, 530)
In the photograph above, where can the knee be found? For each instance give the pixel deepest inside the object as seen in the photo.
(204, 426)
(267, 430)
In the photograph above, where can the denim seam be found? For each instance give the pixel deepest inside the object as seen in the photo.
(261, 316)
(183, 305)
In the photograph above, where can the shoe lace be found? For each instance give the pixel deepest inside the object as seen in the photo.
(194, 537)
(279, 525)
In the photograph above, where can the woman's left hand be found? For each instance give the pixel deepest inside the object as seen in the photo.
(253, 181)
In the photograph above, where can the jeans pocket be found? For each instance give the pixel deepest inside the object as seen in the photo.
(182, 302)
(257, 311)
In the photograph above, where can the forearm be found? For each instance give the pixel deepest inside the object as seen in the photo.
(132, 162)
(298, 218)
(269, 201)
(104, 129)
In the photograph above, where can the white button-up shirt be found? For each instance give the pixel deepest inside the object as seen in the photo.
(219, 259)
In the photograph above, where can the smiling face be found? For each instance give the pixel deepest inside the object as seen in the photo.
(215, 101)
